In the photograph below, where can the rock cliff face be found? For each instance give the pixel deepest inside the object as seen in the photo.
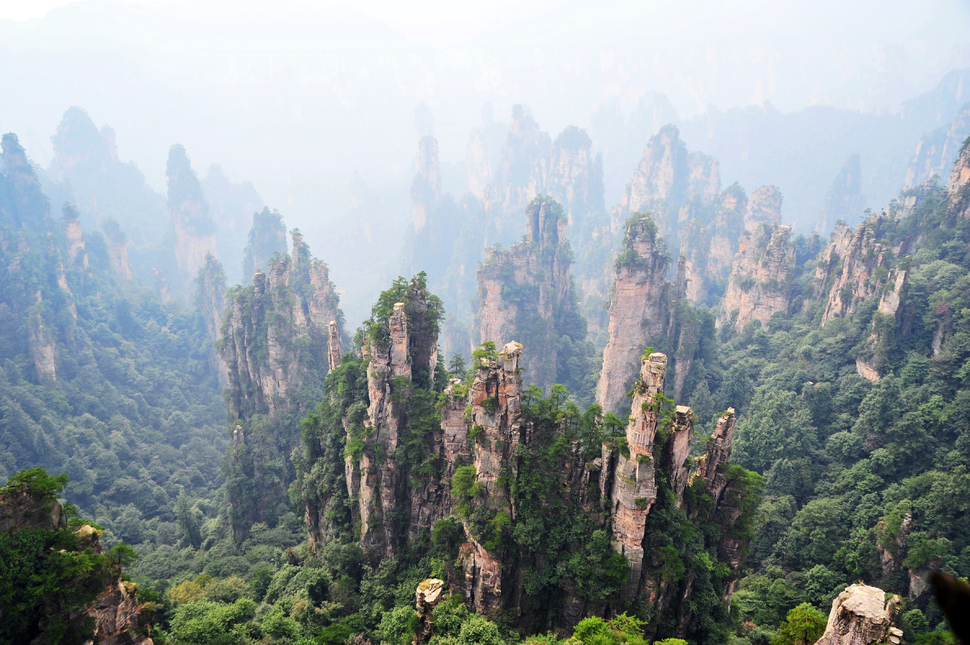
(525, 162)
(844, 200)
(525, 292)
(274, 340)
(760, 282)
(854, 267)
(574, 179)
(210, 298)
(484, 156)
(266, 237)
(634, 486)
(658, 440)
(426, 187)
(668, 173)
(22, 202)
(764, 207)
(117, 248)
(861, 615)
(873, 357)
(189, 213)
(956, 189)
(938, 150)
(639, 310)
(118, 615)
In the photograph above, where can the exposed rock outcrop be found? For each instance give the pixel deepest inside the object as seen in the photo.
(274, 340)
(639, 310)
(77, 256)
(764, 207)
(40, 344)
(266, 238)
(861, 615)
(117, 248)
(668, 174)
(873, 358)
(429, 593)
(844, 200)
(760, 282)
(634, 487)
(189, 212)
(957, 188)
(938, 151)
(854, 267)
(119, 617)
(525, 292)
(210, 298)
(574, 179)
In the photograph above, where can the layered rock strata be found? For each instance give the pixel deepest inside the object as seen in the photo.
(760, 281)
(764, 207)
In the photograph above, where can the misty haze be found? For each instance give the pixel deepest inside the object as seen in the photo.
(434, 324)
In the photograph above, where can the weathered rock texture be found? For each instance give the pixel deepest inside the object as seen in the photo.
(118, 615)
(760, 282)
(427, 596)
(525, 292)
(189, 213)
(574, 179)
(872, 359)
(764, 207)
(667, 173)
(844, 200)
(854, 267)
(628, 478)
(938, 150)
(266, 238)
(861, 615)
(274, 340)
(634, 487)
(639, 310)
(957, 190)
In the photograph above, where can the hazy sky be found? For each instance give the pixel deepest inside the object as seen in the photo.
(169, 70)
(297, 96)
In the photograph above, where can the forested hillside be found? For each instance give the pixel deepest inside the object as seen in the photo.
(755, 425)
